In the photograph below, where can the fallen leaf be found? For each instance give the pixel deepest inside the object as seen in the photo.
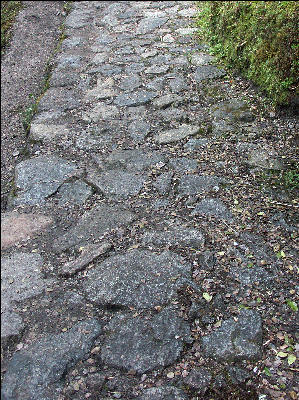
(170, 375)
(207, 297)
(291, 359)
(281, 354)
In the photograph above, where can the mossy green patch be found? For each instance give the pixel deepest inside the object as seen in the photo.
(258, 39)
(9, 11)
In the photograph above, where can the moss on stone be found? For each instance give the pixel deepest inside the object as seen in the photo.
(258, 39)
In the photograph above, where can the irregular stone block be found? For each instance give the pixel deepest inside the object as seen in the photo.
(139, 279)
(214, 208)
(208, 72)
(133, 160)
(196, 184)
(135, 99)
(147, 25)
(175, 135)
(163, 393)
(175, 236)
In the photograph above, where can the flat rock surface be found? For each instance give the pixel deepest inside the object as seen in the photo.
(139, 279)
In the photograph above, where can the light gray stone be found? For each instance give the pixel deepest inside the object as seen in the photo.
(175, 135)
(163, 393)
(149, 24)
(163, 183)
(40, 177)
(208, 72)
(214, 208)
(175, 236)
(135, 99)
(197, 184)
(133, 160)
(139, 279)
(74, 192)
(199, 379)
(130, 83)
(156, 69)
(93, 224)
(166, 100)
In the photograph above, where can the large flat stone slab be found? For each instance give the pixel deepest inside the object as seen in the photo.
(147, 25)
(236, 340)
(212, 208)
(176, 236)
(135, 99)
(40, 177)
(117, 183)
(208, 72)
(139, 279)
(142, 345)
(17, 227)
(94, 224)
(175, 135)
(37, 372)
(196, 184)
(133, 160)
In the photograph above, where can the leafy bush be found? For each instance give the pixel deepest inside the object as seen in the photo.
(258, 39)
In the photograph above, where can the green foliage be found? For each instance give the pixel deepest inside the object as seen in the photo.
(9, 10)
(258, 39)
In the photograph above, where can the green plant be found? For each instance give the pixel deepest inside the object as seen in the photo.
(258, 39)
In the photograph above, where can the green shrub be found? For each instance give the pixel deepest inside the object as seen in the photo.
(258, 39)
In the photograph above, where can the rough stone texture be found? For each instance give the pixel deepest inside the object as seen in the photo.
(196, 184)
(265, 159)
(17, 227)
(195, 144)
(235, 341)
(90, 254)
(163, 393)
(117, 183)
(183, 164)
(214, 208)
(175, 135)
(93, 224)
(176, 236)
(138, 130)
(135, 99)
(166, 100)
(20, 279)
(208, 72)
(198, 379)
(139, 279)
(147, 25)
(143, 345)
(48, 131)
(36, 373)
(133, 160)
(238, 375)
(163, 183)
(74, 192)
(102, 112)
(40, 177)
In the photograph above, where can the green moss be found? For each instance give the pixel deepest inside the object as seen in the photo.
(258, 39)
(9, 11)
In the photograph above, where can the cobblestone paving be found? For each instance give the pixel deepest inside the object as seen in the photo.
(132, 202)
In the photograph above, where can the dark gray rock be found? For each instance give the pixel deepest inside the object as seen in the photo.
(197, 184)
(156, 84)
(235, 341)
(198, 379)
(141, 344)
(175, 236)
(166, 100)
(163, 393)
(135, 99)
(214, 208)
(93, 224)
(175, 135)
(36, 373)
(74, 192)
(208, 72)
(107, 70)
(130, 83)
(133, 160)
(173, 114)
(117, 183)
(265, 158)
(178, 84)
(163, 183)
(69, 61)
(139, 279)
(156, 70)
(252, 276)
(40, 177)
(238, 375)
(147, 25)
(134, 68)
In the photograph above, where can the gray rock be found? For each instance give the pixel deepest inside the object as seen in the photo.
(183, 164)
(21, 279)
(133, 160)
(71, 42)
(196, 184)
(48, 131)
(265, 159)
(147, 25)
(107, 70)
(214, 208)
(60, 79)
(135, 99)
(208, 72)
(198, 379)
(178, 84)
(201, 59)
(130, 83)
(252, 276)
(77, 19)
(102, 112)
(238, 375)
(93, 224)
(173, 114)
(138, 130)
(175, 236)
(175, 135)
(117, 183)
(156, 69)
(69, 61)
(139, 279)
(156, 84)
(105, 39)
(142, 345)
(163, 393)
(163, 183)
(74, 192)
(233, 110)
(235, 341)
(166, 100)
(40, 177)
(134, 68)
(59, 99)
(37, 372)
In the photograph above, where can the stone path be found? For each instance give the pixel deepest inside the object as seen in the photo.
(125, 247)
